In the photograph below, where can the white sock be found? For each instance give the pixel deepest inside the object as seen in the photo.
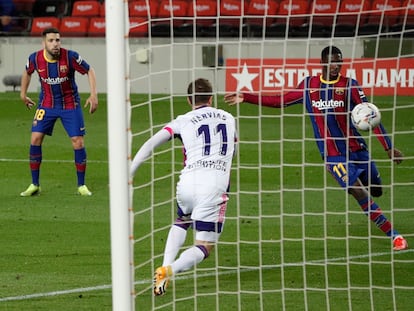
(176, 239)
(188, 259)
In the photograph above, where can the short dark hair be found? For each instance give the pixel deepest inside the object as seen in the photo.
(49, 30)
(200, 90)
(329, 50)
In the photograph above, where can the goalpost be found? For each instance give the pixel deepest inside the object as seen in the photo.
(293, 239)
(119, 144)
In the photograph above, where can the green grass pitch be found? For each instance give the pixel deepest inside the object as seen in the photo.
(292, 241)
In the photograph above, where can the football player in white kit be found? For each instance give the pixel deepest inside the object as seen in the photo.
(209, 138)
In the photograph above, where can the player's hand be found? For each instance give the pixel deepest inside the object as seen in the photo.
(92, 101)
(29, 102)
(233, 98)
(396, 155)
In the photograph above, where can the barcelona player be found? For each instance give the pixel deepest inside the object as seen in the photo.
(329, 98)
(58, 99)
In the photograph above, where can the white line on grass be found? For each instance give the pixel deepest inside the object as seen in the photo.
(149, 281)
(52, 161)
(410, 167)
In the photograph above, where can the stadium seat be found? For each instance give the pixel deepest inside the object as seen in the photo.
(74, 26)
(322, 18)
(23, 7)
(139, 8)
(138, 27)
(230, 19)
(102, 9)
(52, 8)
(86, 8)
(21, 21)
(259, 14)
(406, 21)
(142, 9)
(19, 26)
(292, 15)
(41, 23)
(202, 15)
(389, 10)
(167, 10)
(383, 15)
(352, 15)
(96, 27)
(408, 11)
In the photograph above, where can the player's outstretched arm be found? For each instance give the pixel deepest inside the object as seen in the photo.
(233, 98)
(396, 155)
(148, 147)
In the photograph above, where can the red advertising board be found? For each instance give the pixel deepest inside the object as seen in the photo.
(382, 76)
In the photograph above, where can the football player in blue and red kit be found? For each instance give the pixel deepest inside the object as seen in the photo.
(58, 99)
(329, 98)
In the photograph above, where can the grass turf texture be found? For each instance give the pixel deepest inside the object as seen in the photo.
(56, 250)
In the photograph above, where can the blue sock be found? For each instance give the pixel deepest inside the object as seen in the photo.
(35, 157)
(80, 163)
(374, 212)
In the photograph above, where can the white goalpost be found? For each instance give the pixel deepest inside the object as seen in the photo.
(293, 238)
(119, 144)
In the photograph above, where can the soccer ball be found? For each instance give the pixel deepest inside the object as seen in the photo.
(365, 116)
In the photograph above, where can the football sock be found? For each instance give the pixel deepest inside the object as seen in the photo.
(35, 155)
(80, 163)
(377, 217)
(176, 239)
(189, 258)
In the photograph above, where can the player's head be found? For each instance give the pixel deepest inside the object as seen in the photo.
(51, 42)
(200, 92)
(331, 60)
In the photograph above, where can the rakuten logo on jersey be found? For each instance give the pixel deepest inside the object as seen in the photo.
(54, 81)
(327, 104)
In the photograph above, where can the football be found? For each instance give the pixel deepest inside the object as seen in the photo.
(365, 116)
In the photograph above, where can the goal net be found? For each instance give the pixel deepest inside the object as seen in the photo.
(293, 238)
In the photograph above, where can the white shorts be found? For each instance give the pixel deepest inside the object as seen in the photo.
(202, 198)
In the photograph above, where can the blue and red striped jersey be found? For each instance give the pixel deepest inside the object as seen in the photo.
(57, 78)
(328, 104)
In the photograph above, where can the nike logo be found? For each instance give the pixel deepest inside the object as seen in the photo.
(41, 70)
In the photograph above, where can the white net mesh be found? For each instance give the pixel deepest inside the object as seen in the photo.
(293, 238)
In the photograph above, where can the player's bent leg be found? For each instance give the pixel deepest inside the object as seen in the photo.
(175, 240)
(190, 258)
(187, 260)
(374, 212)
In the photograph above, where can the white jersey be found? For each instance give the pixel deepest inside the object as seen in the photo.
(208, 136)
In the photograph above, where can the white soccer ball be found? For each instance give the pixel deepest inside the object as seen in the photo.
(365, 116)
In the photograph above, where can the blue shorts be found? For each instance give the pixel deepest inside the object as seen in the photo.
(72, 121)
(359, 166)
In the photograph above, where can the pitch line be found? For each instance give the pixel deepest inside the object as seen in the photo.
(180, 162)
(185, 277)
(50, 161)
